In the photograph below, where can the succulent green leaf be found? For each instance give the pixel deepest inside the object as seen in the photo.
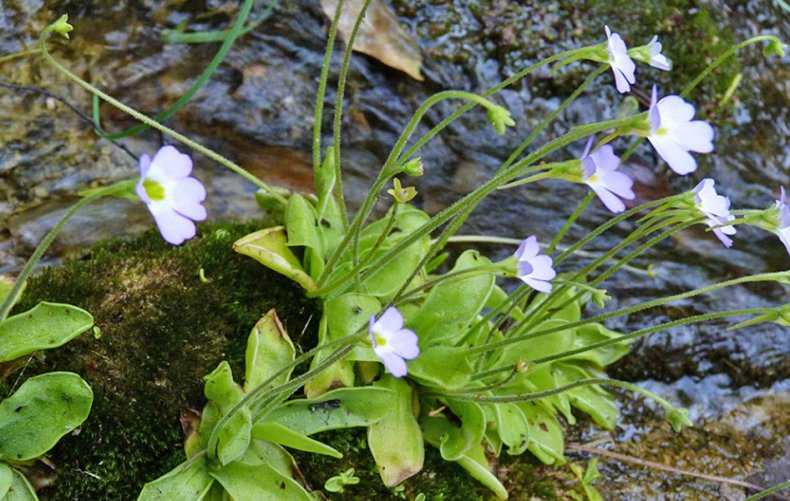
(189, 480)
(396, 440)
(304, 231)
(231, 441)
(341, 408)
(592, 399)
(45, 326)
(260, 482)
(442, 367)
(6, 477)
(343, 315)
(594, 333)
(511, 425)
(476, 463)
(450, 307)
(20, 489)
(270, 248)
(279, 434)
(221, 388)
(545, 432)
(261, 451)
(43, 409)
(269, 349)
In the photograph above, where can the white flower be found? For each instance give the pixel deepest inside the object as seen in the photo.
(622, 65)
(534, 269)
(657, 59)
(173, 197)
(783, 221)
(600, 174)
(391, 342)
(673, 133)
(716, 207)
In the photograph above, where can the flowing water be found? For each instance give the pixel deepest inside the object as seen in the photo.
(257, 110)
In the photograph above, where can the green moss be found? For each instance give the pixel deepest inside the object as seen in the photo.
(162, 330)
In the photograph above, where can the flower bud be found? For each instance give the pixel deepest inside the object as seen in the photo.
(414, 167)
(61, 26)
(401, 195)
(499, 118)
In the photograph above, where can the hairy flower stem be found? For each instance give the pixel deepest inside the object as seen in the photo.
(341, 87)
(321, 92)
(153, 123)
(763, 277)
(13, 295)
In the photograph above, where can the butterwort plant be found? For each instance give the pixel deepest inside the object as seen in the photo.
(450, 350)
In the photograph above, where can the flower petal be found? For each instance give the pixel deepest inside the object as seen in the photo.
(391, 321)
(174, 227)
(678, 159)
(405, 344)
(186, 196)
(609, 199)
(529, 248)
(694, 136)
(538, 285)
(394, 364)
(169, 163)
(541, 268)
(674, 110)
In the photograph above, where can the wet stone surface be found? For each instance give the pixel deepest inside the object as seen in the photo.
(257, 109)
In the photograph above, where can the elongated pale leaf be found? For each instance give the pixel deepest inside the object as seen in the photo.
(261, 482)
(42, 410)
(545, 433)
(45, 326)
(269, 349)
(474, 461)
(396, 440)
(6, 477)
(189, 480)
(452, 306)
(20, 489)
(511, 425)
(279, 434)
(341, 408)
(269, 247)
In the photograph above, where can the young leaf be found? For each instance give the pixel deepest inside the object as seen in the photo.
(221, 388)
(42, 410)
(189, 480)
(396, 440)
(45, 326)
(279, 434)
(268, 349)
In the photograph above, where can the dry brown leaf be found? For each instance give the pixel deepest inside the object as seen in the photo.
(380, 35)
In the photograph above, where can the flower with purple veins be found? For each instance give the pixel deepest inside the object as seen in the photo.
(171, 194)
(716, 207)
(783, 221)
(392, 343)
(673, 133)
(534, 269)
(622, 65)
(600, 174)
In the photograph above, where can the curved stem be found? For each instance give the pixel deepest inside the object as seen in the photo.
(341, 87)
(13, 295)
(235, 31)
(319, 100)
(154, 124)
(16, 55)
(569, 222)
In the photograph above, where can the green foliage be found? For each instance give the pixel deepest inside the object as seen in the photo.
(46, 326)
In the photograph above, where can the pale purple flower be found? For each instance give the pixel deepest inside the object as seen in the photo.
(673, 133)
(600, 174)
(783, 222)
(534, 269)
(173, 197)
(622, 65)
(657, 59)
(392, 343)
(716, 207)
